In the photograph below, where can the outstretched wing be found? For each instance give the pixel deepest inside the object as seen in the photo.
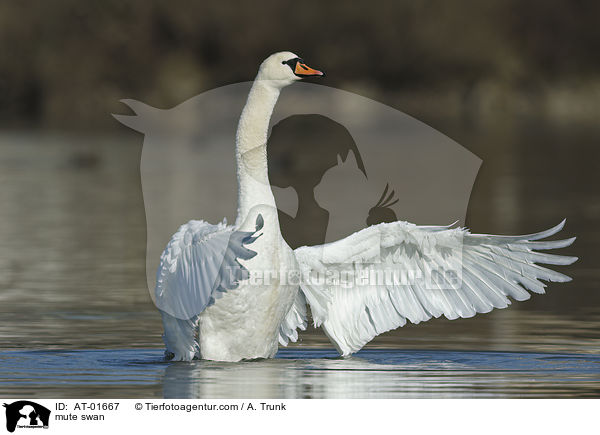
(199, 264)
(380, 277)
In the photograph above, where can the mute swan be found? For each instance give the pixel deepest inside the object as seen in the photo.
(213, 308)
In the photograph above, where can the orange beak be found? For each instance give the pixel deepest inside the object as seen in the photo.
(304, 70)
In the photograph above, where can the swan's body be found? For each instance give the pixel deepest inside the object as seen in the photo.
(245, 323)
(213, 307)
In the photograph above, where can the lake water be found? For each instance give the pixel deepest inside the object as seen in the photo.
(300, 373)
(76, 319)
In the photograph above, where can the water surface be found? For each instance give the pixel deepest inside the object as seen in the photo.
(76, 319)
(300, 373)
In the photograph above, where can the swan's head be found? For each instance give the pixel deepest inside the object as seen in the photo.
(284, 68)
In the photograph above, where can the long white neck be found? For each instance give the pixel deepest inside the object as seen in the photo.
(254, 190)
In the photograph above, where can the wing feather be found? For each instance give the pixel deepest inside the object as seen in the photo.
(198, 265)
(295, 319)
(489, 271)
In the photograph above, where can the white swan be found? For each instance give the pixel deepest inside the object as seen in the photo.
(236, 292)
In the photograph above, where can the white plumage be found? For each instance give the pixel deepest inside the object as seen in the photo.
(492, 267)
(370, 282)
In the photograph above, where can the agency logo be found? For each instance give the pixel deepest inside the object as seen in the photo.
(338, 163)
(25, 414)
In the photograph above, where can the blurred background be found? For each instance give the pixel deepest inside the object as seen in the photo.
(66, 64)
(518, 84)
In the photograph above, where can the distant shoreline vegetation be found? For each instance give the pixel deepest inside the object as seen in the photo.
(562, 102)
(67, 64)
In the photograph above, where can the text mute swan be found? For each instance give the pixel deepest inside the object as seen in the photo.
(213, 309)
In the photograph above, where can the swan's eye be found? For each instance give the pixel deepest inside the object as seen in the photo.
(292, 62)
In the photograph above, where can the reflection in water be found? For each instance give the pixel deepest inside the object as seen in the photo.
(388, 374)
(301, 373)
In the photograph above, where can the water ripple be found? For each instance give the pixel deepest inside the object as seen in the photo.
(300, 373)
